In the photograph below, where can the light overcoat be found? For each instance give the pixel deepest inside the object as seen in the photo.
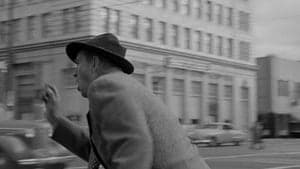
(130, 128)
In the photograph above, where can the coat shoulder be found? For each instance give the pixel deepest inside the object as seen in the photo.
(117, 83)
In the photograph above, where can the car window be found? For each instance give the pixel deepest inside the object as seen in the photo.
(227, 127)
(210, 126)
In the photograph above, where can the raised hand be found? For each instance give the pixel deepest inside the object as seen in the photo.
(51, 98)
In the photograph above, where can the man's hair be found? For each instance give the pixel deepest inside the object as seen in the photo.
(101, 56)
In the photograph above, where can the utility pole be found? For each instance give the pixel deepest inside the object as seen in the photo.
(10, 93)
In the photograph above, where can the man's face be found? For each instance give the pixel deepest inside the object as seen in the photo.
(83, 73)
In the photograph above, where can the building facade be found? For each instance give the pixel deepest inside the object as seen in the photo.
(193, 54)
(278, 92)
(278, 88)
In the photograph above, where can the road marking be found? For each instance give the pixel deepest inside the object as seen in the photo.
(284, 167)
(249, 155)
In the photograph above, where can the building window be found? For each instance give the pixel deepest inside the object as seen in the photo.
(220, 45)
(178, 86)
(283, 88)
(78, 18)
(163, 33)
(105, 14)
(148, 24)
(245, 93)
(161, 3)
(2, 3)
(230, 48)
(46, 31)
(213, 101)
(67, 21)
(198, 8)
(175, 5)
(228, 91)
(209, 43)
(209, 11)
(245, 107)
(220, 14)
(178, 98)
(31, 28)
(229, 18)
(244, 18)
(199, 41)
(196, 88)
(72, 20)
(186, 7)
(297, 90)
(4, 31)
(16, 29)
(196, 101)
(187, 36)
(158, 84)
(134, 24)
(175, 35)
(228, 103)
(213, 90)
(115, 20)
(244, 50)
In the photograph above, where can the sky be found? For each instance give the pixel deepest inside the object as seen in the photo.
(276, 28)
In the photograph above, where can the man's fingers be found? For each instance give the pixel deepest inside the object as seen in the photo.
(50, 93)
(53, 90)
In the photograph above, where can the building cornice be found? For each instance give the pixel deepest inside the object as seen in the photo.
(169, 52)
(132, 45)
(45, 44)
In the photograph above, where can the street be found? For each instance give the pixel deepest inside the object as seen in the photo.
(278, 154)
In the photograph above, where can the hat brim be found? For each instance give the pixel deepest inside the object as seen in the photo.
(73, 48)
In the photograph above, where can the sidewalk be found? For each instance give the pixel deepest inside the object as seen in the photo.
(281, 145)
(282, 141)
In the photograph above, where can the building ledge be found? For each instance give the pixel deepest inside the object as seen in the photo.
(136, 46)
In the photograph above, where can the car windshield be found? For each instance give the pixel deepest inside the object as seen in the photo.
(210, 126)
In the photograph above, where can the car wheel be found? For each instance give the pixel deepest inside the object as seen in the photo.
(214, 142)
(6, 162)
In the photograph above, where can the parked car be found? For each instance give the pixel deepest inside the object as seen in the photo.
(214, 134)
(26, 144)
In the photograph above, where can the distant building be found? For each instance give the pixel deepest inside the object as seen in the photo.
(278, 91)
(194, 54)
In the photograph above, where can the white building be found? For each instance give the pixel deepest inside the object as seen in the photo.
(194, 54)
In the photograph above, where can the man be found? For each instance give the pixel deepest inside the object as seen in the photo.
(256, 133)
(129, 127)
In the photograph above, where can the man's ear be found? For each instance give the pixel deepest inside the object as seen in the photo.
(95, 63)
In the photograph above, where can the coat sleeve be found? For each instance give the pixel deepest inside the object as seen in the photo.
(73, 137)
(123, 129)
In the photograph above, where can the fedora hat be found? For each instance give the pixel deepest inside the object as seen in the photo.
(107, 45)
